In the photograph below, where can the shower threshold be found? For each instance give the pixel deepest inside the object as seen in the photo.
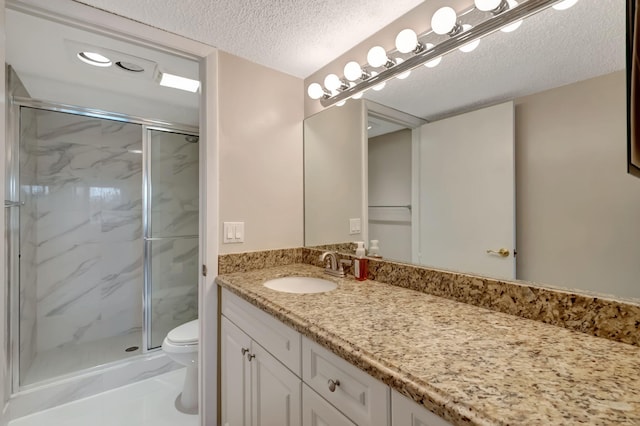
(65, 360)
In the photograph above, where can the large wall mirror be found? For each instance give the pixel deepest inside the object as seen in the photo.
(528, 131)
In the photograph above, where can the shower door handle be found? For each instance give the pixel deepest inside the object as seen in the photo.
(8, 203)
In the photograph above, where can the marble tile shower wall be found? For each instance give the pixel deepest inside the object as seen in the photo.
(89, 228)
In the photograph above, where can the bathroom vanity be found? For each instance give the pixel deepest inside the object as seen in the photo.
(369, 353)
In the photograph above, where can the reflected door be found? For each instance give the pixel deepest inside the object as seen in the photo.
(171, 232)
(467, 192)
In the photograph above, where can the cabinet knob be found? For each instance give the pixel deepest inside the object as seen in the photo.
(250, 356)
(333, 384)
(244, 351)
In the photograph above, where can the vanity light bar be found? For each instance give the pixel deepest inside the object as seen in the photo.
(522, 11)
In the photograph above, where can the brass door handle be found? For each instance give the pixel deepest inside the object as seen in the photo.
(503, 252)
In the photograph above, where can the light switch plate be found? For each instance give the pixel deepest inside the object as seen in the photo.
(233, 232)
(354, 226)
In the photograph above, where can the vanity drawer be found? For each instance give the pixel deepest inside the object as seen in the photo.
(281, 341)
(318, 412)
(365, 400)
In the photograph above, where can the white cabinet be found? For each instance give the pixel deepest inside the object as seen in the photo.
(406, 412)
(257, 389)
(316, 411)
(365, 400)
(235, 375)
(275, 391)
(264, 364)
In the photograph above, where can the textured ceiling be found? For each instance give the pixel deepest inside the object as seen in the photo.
(550, 49)
(295, 37)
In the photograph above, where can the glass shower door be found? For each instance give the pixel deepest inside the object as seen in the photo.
(171, 232)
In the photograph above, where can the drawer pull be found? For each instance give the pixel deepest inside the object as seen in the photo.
(333, 384)
(244, 351)
(250, 357)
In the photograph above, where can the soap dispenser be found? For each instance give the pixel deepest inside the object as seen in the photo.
(360, 263)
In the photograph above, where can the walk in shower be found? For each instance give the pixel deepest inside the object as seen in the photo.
(102, 220)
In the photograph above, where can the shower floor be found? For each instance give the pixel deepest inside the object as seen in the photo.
(149, 402)
(70, 359)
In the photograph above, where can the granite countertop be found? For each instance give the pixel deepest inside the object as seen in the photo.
(467, 364)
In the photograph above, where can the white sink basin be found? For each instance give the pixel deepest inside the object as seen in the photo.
(301, 285)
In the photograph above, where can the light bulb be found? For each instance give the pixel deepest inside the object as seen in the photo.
(487, 5)
(341, 103)
(444, 20)
(434, 62)
(380, 86)
(471, 46)
(406, 41)
(315, 91)
(377, 56)
(404, 74)
(564, 5)
(332, 82)
(352, 71)
(95, 59)
(515, 25)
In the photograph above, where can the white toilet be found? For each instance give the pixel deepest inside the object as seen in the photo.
(181, 345)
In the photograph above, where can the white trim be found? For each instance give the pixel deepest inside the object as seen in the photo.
(415, 196)
(95, 20)
(364, 221)
(5, 349)
(393, 115)
(208, 290)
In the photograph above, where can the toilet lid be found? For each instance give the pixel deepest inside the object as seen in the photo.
(185, 334)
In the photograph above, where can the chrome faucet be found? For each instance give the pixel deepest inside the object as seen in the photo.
(334, 267)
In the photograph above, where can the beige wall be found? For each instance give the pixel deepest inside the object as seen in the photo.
(260, 146)
(572, 182)
(333, 168)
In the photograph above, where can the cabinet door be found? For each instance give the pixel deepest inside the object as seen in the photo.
(275, 391)
(405, 412)
(316, 411)
(235, 375)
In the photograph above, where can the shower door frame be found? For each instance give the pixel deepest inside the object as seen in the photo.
(13, 274)
(147, 227)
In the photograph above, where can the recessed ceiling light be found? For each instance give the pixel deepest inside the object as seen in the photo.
(177, 82)
(95, 59)
(129, 66)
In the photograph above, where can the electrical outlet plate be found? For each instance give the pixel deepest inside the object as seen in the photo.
(354, 226)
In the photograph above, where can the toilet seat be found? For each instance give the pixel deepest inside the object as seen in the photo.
(186, 334)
